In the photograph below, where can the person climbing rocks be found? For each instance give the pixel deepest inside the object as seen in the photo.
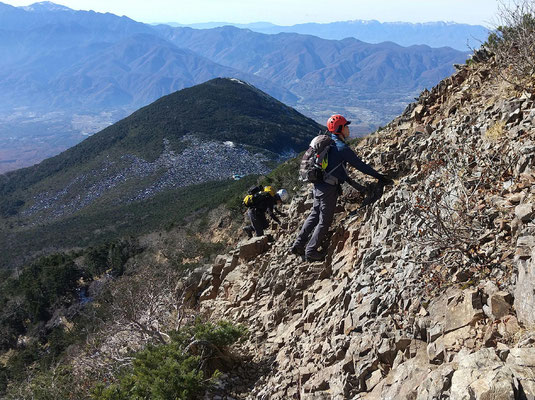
(326, 192)
(259, 202)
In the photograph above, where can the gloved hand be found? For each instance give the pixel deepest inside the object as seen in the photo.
(385, 180)
(357, 186)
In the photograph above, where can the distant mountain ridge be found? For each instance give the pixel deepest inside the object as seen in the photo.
(336, 76)
(47, 13)
(201, 134)
(46, 6)
(57, 62)
(290, 59)
(86, 60)
(221, 109)
(434, 34)
(128, 73)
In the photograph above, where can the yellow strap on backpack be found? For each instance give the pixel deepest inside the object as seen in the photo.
(324, 163)
(248, 200)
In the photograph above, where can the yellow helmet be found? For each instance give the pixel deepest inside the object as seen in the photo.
(270, 190)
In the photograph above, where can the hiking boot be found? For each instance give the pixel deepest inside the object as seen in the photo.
(248, 230)
(314, 255)
(297, 250)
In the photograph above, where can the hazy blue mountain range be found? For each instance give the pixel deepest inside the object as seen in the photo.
(205, 133)
(61, 70)
(369, 82)
(127, 73)
(304, 62)
(435, 34)
(87, 60)
(45, 13)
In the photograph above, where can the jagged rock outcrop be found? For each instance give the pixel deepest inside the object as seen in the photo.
(428, 292)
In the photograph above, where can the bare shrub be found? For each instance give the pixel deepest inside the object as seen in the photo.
(453, 223)
(134, 311)
(513, 41)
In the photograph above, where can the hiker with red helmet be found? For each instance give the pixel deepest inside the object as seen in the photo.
(326, 190)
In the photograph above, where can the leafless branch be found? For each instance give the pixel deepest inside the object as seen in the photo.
(513, 42)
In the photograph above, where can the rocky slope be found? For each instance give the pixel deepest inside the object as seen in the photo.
(426, 293)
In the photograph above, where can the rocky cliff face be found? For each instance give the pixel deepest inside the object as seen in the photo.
(427, 292)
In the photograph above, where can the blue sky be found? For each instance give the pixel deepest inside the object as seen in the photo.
(289, 12)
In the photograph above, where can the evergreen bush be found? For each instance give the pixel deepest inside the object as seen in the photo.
(176, 370)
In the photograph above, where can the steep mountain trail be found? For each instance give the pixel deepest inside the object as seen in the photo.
(428, 293)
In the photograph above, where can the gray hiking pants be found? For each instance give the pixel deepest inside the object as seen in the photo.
(319, 219)
(258, 221)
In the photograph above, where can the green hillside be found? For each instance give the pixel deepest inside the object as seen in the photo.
(163, 162)
(220, 109)
(96, 225)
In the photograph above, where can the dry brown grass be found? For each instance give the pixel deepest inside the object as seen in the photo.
(495, 132)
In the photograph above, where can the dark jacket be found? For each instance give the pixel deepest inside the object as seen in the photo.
(266, 202)
(340, 155)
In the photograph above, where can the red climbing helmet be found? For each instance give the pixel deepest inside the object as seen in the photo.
(335, 122)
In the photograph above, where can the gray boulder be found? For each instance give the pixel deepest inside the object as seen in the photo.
(525, 290)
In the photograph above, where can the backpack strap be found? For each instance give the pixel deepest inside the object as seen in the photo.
(329, 178)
